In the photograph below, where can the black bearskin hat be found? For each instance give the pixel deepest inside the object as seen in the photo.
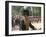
(26, 12)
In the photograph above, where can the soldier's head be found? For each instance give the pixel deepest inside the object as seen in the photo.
(26, 12)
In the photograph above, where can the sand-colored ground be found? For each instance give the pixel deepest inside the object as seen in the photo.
(36, 25)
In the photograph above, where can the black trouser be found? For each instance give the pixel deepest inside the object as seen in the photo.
(30, 25)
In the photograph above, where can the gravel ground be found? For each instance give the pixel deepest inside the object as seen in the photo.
(36, 25)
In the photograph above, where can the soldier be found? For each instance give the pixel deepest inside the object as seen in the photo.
(25, 22)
